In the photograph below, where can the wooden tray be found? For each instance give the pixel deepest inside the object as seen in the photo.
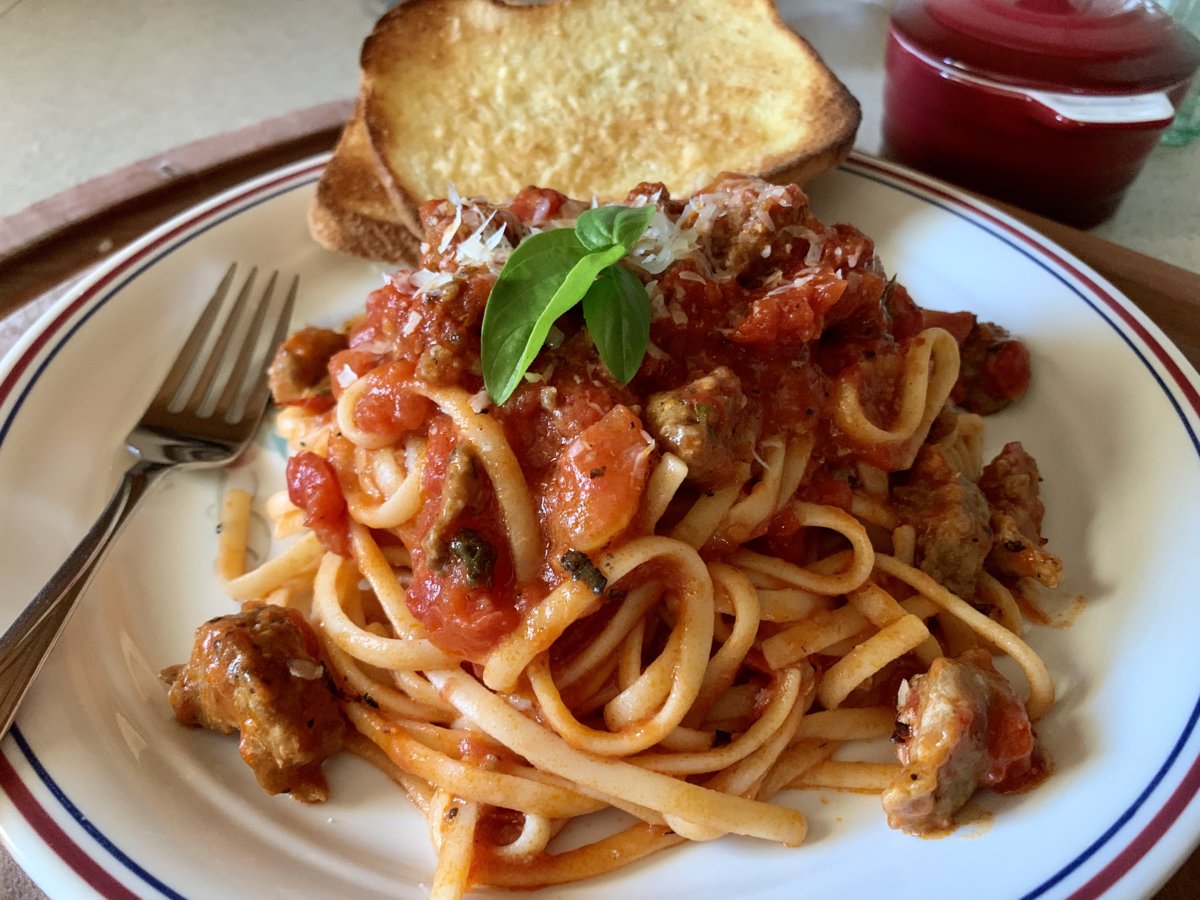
(44, 248)
(53, 241)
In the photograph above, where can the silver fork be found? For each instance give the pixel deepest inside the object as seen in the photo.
(204, 415)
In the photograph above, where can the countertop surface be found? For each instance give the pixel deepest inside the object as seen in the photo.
(91, 88)
(87, 94)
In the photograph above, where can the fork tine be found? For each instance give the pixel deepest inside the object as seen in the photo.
(195, 341)
(233, 386)
(217, 353)
(163, 439)
(256, 403)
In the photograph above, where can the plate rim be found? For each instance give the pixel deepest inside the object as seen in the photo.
(21, 367)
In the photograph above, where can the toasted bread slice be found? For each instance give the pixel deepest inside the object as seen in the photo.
(352, 212)
(585, 96)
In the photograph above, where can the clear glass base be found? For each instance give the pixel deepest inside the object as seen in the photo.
(1186, 126)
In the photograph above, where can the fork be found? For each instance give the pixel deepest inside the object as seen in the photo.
(204, 414)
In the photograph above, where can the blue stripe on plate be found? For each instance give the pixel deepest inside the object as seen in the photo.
(890, 180)
(1042, 263)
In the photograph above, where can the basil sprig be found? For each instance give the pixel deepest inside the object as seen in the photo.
(548, 274)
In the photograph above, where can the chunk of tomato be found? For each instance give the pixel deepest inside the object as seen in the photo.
(313, 486)
(387, 407)
(598, 482)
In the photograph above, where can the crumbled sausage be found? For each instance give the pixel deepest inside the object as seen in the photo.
(960, 727)
(951, 519)
(740, 218)
(1011, 484)
(259, 673)
(994, 371)
(298, 372)
(460, 491)
(703, 423)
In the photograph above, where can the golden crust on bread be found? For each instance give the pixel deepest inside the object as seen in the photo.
(584, 96)
(352, 212)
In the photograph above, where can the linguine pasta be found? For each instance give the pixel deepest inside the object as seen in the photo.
(678, 598)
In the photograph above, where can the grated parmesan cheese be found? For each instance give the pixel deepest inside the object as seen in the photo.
(427, 282)
(805, 276)
(658, 306)
(378, 347)
(305, 669)
(401, 279)
(411, 323)
(663, 243)
(816, 242)
(480, 400)
(452, 229)
(484, 249)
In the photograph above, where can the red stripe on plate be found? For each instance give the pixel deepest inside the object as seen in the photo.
(1140, 845)
(1189, 786)
(40, 341)
(1050, 251)
(98, 878)
(57, 839)
(1160, 352)
(83, 864)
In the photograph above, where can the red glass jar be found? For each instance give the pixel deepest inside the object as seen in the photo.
(1052, 105)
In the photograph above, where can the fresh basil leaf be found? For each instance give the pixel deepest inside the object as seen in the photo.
(604, 226)
(544, 277)
(548, 274)
(616, 309)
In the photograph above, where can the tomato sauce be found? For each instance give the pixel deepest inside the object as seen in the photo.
(784, 302)
(313, 486)
(597, 484)
(385, 407)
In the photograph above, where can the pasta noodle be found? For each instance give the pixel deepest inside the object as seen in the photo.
(677, 598)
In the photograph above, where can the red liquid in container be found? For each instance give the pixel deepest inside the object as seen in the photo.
(1052, 105)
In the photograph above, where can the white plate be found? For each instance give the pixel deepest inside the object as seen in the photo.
(107, 794)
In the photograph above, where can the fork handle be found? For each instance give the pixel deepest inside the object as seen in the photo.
(28, 641)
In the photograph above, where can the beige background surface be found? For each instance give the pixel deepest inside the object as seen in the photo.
(88, 86)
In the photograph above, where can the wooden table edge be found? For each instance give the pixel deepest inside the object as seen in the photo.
(53, 240)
